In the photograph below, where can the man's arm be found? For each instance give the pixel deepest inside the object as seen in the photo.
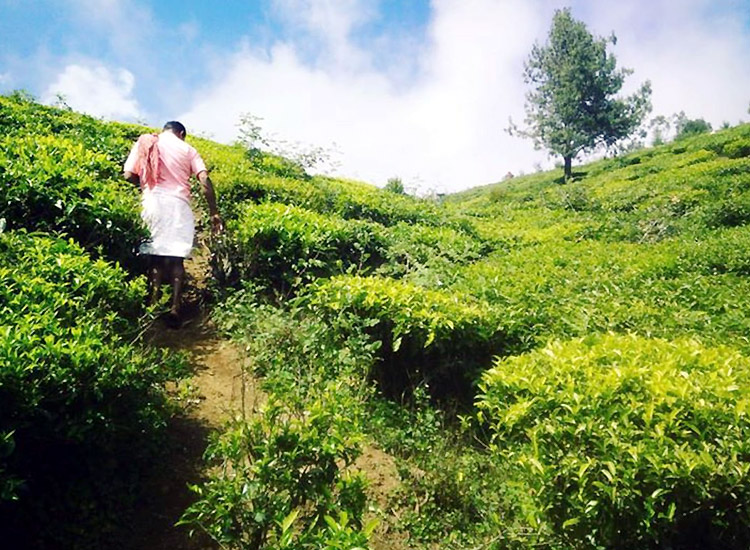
(208, 189)
(130, 169)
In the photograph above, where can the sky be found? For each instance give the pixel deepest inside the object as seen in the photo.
(422, 90)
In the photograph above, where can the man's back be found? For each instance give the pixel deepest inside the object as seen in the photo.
(177, 162)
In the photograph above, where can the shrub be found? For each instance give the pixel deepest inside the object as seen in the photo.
(395, 185)
(71, 387)
(722, 251)
(439, 337)
(413, 248)
(284, 465)
(284, 476)
(738, 149)
(53, 184)
(688, 127)
(628, 442)
(287, 246)
(21, 116)
(239, 180)
(281, 467)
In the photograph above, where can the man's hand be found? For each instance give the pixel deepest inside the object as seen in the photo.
(217, 226)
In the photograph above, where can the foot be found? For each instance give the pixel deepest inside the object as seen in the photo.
(172, 320)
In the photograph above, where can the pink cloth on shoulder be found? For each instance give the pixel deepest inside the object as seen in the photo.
(147, 164)
(176, 162)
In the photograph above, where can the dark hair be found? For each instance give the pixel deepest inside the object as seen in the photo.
(176, 127)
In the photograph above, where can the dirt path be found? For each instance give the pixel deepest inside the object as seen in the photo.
(218, 389)
(213, 394)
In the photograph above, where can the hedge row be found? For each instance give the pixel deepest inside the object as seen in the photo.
(441, 338)
(79, 403)
(628, 442)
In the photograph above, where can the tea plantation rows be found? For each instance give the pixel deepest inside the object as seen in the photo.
(559, 365)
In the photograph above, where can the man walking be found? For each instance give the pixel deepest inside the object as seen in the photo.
(162, 164)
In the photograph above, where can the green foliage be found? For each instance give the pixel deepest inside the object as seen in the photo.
(285, 465)
(428, 252)
(569, 289)
(287, 246)
(285, 478)
(628, 442)
(438, 337)
(738, 149)
(239, 180)
(271, 156)
(395, 185)
(689, 127)
(571, 107)
(296, 352)
(420, 297)
(450, 493)
(72, 387)
(21, 116)
(60, 172)
(53, 184)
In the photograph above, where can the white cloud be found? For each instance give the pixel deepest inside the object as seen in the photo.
(96, 90)
(695, 56)
(444, 127)
(444, 130)
(127, 26)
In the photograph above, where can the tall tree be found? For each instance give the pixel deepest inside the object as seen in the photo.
(572, 106)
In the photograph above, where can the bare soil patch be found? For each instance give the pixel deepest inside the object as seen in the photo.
(220, 387)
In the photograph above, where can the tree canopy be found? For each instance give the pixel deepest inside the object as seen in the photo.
(572, 106)
(686, 127)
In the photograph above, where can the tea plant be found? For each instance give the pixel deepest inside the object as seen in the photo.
(627, 442)
(286, 478)
(426, 335)
(286, 247)
(285, 467)
(72, 385)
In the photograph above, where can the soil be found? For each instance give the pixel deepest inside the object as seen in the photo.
(220, 387)
(382, 473)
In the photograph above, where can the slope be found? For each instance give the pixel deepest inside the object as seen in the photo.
(547, 364)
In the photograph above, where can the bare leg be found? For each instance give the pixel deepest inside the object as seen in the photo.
(155, 277)
(177, 276)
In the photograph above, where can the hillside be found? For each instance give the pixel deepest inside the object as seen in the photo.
(548, 364)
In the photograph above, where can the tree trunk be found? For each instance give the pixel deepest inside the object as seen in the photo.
(568, 167)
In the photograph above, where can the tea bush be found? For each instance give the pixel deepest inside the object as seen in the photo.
(286, 246)
(72, 386)
(628, 442)
(284, 477)
(568, 289)
(22, 116)
(54, 184)
(239, 179)
(414, 248)
(438, 337)
(284, 466)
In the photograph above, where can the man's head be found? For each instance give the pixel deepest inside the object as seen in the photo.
(176, 128)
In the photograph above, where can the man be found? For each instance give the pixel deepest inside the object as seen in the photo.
(162, 164)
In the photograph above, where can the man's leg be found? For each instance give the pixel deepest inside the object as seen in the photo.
(177, 276)
(155, 278)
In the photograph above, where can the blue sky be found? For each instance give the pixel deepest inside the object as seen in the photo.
(417, 89)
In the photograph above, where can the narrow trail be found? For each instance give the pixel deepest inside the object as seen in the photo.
(219, 388)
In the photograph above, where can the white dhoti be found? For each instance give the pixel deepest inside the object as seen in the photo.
(170, 222)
